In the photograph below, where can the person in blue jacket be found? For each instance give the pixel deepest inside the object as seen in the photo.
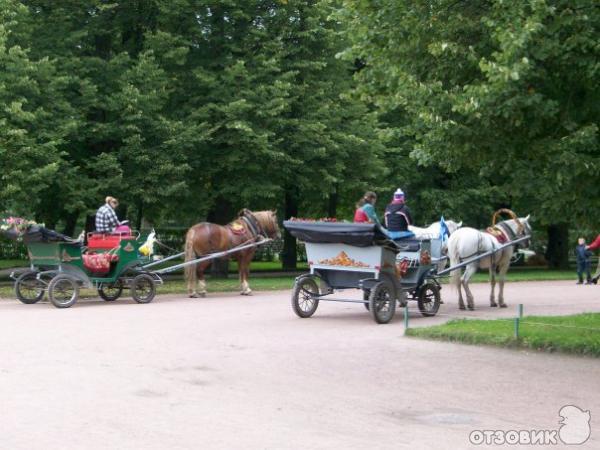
(583, 261)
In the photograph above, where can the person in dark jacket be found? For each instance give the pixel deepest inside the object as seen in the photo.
(398, 217)
(583, 261)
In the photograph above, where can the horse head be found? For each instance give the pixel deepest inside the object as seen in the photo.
(268, 222)
(520, 227)
(452, 226)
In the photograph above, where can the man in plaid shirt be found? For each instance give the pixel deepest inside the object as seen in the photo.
(106, 218)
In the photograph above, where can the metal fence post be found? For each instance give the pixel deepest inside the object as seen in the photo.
(520, 310)
(517, 320)
(405, 318)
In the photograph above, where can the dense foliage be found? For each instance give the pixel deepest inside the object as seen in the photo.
(192, 109)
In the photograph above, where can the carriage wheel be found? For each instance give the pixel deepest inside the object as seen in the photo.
(110, 291)
(382, 303)
(63, 291)
(28, 288)
(143, 288)
(429, 299)
(303, 301)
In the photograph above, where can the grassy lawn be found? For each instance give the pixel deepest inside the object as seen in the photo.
(179, 287)
(10, 263)
(578, 333)
(260, 282)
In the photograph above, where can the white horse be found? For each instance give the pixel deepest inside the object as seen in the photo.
(467, 243)
(434, 230)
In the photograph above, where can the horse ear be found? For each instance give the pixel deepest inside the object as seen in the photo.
(459, 224)
(527, 218)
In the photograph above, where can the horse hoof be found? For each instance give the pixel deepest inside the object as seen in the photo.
(493, 305)
(462, 308)
(246, 293)
(194, 295)
(503, 305)
(471, 308)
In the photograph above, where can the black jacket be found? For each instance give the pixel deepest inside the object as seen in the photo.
(397, 217)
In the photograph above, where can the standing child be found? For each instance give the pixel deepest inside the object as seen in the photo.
(583, 261)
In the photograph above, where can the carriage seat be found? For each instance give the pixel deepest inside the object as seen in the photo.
(106, 241)
(408, 245)
(99, 263)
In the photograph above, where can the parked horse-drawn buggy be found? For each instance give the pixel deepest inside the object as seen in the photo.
(108, 263)
(361, 256)
(112, 262)
(350, 255)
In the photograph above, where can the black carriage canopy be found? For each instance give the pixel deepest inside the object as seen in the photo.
(357, 234)
(37, 233)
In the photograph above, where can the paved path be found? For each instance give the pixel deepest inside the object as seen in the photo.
(231, 372)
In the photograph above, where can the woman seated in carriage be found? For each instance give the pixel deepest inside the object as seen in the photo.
(398, 218)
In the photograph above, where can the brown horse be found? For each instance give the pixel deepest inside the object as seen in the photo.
(205, 238)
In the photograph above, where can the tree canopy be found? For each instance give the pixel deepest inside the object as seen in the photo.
(193, 109)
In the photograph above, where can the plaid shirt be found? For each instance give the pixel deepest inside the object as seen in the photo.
(106, 219)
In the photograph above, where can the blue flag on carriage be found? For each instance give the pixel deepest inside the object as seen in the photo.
(444, 231)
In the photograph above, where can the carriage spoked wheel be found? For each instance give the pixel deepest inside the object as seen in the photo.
(429, 299)
(382, 302)
(304, 301)
(110, 291)
(63, 291)
(143, 288)
(28, 288)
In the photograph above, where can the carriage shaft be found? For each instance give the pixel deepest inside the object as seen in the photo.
(481, 256)
(211, 256)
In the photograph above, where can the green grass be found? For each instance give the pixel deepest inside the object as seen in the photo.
(179, 287)
(10, 263)
(530, 274)
(579, 334)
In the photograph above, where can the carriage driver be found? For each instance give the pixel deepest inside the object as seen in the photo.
(106, 218)
(398, 218)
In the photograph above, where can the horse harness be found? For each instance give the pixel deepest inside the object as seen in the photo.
(253, 224)
(501, 232)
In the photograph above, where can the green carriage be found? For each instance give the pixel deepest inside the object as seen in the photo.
(109, 263)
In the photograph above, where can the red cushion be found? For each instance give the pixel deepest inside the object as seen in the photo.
(100, 241)
(99, 262)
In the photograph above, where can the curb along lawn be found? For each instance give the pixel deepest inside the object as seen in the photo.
(578, 334)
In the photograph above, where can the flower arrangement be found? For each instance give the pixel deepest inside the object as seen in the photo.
(15, 227)
(323, 219)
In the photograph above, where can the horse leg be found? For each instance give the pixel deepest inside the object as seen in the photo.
(461, 303)
(243, 264)
(493, 283)
(501, 278)
(465, 282)
(200, 287)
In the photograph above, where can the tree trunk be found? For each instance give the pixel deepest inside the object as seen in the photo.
(70, 223)
(221, 214)
(557, 252)
(139, 216)
(332, 203)
(289, 255)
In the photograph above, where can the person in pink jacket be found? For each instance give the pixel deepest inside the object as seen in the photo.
(593, 246)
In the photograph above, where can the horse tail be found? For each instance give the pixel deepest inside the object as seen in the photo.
(454, 256)
(190, 254)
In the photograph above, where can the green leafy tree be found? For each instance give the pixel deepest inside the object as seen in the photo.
(503, 91)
